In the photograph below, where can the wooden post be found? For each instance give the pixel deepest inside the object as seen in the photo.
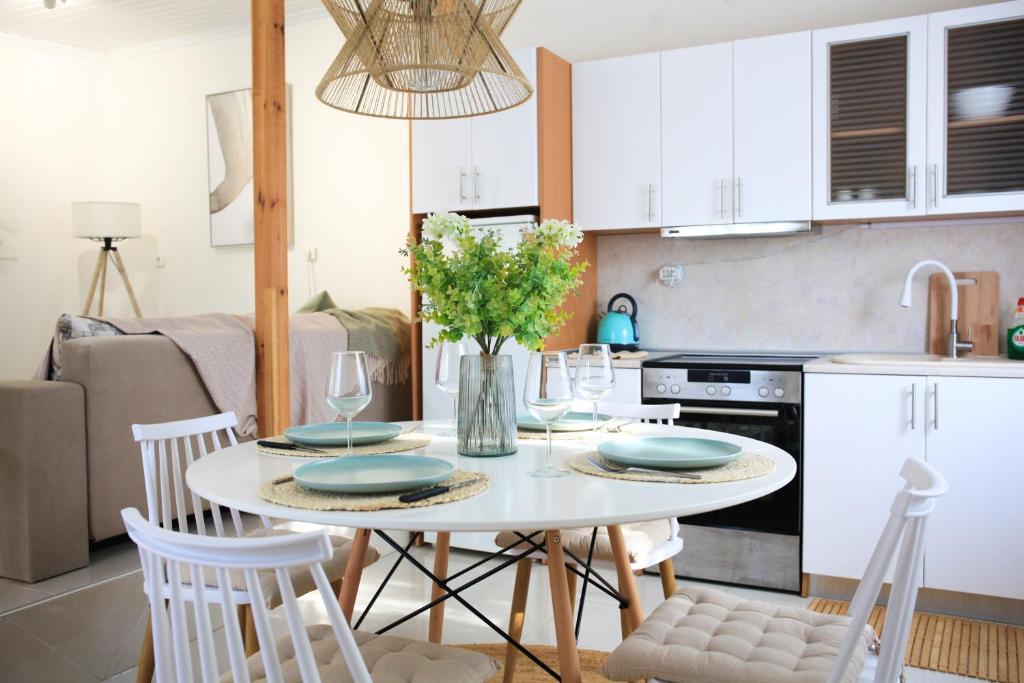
(270, 185)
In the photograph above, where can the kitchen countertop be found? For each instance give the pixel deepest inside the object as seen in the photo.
(970, 366)
(629, 363)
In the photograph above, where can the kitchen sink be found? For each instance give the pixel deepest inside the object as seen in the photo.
(920, 359)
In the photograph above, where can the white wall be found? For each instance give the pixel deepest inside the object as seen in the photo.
(79, 126)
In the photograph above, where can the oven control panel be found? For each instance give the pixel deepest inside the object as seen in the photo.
(707, 384)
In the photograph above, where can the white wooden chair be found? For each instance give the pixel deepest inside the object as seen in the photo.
(648, 544)
(698, 632)
(167, 450)
(310, 654)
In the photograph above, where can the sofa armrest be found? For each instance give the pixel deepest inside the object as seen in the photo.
(43, 506)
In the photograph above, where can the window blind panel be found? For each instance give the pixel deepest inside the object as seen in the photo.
(985, 109)
(868, 119)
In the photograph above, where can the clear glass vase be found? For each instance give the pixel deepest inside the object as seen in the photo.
(487, 407)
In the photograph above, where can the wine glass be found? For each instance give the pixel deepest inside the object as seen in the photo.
(348, 387)
(595, 376)
(446, 375)
(548, 396)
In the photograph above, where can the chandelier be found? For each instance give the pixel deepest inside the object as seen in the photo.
(423, 59)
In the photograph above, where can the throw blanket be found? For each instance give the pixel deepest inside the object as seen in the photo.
(223, 350)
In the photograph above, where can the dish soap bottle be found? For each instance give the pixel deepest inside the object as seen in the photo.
(1015, 335)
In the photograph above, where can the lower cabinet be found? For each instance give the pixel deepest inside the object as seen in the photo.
(860, 428)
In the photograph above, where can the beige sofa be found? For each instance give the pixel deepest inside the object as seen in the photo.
(68, 462)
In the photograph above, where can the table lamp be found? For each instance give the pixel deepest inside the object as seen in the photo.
(107, 223)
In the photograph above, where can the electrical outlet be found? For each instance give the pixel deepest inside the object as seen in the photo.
(672, 275)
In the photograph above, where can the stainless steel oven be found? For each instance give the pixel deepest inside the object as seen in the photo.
(758, 543)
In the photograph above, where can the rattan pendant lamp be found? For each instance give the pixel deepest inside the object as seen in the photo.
(423, 59)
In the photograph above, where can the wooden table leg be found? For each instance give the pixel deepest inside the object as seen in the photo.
(353, 572)
(144, 672)
(441, 547)
(627, 583)
(517, 616)
(568, 657)
(667, 570)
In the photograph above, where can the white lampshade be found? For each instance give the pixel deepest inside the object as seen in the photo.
(97, 220)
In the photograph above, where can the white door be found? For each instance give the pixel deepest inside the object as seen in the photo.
(696, 135)
(976, 109)
(772, 120)
(858, 430)
(975, 542)
(869, 99)
(442, 166)
(616, 146)
(505, 149)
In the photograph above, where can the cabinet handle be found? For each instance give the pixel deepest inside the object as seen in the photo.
(721, 199)
(739, 197)
(650, 203)
(935, 407)
(913, 407)
(476, 185)
(935, 184)
(913, 186)
(462, 184)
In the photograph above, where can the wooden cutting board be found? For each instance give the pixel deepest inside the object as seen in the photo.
(979, 309)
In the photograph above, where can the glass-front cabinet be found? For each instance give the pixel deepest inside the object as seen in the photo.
(869, 119)
(976, 109)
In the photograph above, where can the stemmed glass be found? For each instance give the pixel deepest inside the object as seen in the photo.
(348, 387)
(595, 376)
(548, 397)
(446, 375)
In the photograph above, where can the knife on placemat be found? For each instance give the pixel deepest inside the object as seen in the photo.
(435, 491)
(289, 446)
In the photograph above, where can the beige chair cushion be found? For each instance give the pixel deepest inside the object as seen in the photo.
(640, 539)
(302, 579)
(702, 635)
(390, 659)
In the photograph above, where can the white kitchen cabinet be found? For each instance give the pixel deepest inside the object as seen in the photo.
(869, 109)
(974, 542)
(771, 118)
(482, 162)
(976, 109)
(616, 127)
(696, 135)
(858, 430)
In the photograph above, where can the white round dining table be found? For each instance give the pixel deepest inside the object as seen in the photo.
(514, 501)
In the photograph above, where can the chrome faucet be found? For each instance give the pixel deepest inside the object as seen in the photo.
(954, 344)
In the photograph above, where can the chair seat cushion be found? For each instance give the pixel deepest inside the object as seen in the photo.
(640, 539)
(302, 579)
(389, 659)
(703, 635)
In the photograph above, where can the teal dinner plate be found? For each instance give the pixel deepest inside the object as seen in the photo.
(669, 452)
(373, 473)
(571, 422)
(334, 433)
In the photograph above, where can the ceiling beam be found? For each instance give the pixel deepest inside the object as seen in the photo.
(270, 191)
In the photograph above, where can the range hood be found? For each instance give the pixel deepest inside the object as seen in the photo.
(738, 230)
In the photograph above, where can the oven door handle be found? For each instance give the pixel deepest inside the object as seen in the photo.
(745, 412)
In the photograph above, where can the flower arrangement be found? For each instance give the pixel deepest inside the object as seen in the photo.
(476, 287)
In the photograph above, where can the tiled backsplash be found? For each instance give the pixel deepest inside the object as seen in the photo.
(836, 291)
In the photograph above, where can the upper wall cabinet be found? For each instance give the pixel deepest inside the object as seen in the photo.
(735, 146)
(976, 109)
(616, 151)
(869, 119)
(482, 162)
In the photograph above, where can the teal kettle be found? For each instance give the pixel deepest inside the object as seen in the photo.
(618, 328)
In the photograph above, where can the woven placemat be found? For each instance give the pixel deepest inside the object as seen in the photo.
(284, 491)
(747, 466)
(402, 442)
(608, 429)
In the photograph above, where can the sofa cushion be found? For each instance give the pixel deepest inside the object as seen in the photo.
(640, 539)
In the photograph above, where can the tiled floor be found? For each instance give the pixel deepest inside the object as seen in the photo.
(88, 625)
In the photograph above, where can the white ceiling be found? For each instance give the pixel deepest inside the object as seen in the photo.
(576, 29)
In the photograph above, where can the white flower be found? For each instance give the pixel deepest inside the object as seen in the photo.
(559, 233)
(442, 225)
